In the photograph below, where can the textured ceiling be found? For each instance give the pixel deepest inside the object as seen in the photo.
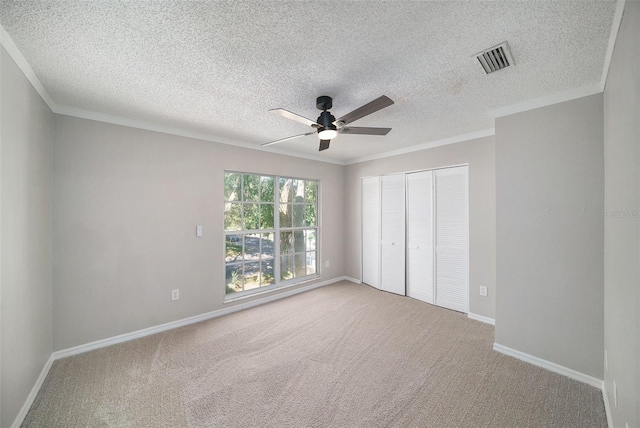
(218, 67)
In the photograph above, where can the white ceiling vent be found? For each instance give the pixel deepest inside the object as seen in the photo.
(495, 58)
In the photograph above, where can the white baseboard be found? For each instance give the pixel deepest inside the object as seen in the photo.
(607, 406)
(481, 318)
(186, 321)
(553, 367)
(348, 278)
(153, 330)
(32, 395)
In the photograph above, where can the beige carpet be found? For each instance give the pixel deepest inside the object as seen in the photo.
(343, 355)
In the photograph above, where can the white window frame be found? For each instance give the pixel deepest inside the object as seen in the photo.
(276, 231)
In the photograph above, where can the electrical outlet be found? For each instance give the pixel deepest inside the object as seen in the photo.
(175, 294)
(326, 263)
(615, 394)
(626, 425)
(483, 291)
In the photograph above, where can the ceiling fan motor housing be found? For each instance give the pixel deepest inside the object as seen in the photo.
(326, 119)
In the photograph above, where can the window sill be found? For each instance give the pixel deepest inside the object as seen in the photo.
(229, 298)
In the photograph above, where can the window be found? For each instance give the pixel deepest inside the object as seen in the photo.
(262, 249)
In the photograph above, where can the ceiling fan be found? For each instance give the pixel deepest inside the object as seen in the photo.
(328, 127)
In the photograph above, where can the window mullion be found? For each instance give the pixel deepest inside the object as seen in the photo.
(241, 199)
(276, 225)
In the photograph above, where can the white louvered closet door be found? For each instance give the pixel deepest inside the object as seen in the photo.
(392, 242)
(420, 236)
(452, 238)
(371, 231)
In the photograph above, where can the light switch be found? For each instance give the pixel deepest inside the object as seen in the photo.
(199, 230)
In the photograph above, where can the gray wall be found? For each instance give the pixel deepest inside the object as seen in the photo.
(549, 240)
(26, 311)
(480, 155)
(126, 204)
(621, 226)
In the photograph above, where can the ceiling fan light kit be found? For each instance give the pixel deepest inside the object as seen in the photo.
(328, 134)
(328, 127)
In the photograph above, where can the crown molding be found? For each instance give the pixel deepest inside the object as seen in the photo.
(442, 142)
(181, 132)
(574, 93)
(7, 42)
(9, 45)
(547, 100)
(615, 29)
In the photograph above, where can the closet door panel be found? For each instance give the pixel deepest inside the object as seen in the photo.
(452, 238)
(393, 271)
(452, 283)
(420, 272)
(392, 242)
(371, 231)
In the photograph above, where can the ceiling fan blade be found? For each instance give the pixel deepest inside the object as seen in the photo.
(372, 107)
(324, 145)
(288, 138)
(364, 130)
(289, 115)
